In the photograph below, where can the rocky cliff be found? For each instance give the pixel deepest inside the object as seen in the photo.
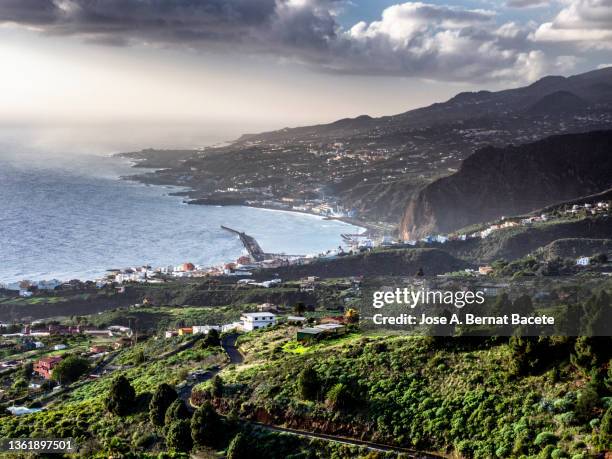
(494, 182)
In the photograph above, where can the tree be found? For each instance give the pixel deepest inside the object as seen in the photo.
(140, 357)
(597, 315)
(591, 351)
(308, 384)
(176, 411)
(338, 397)
(523, 305)
(70, 369)
(205, 425)
(299, 308)
(216, 389)
(239, 447)
(26, 370)
(178, 436)
(121, 397)
(162, 399)
(587, 401)
(605, 431)
(530, 354)
(599, 258)
(211, 339)
(351, 316)
(502, 305)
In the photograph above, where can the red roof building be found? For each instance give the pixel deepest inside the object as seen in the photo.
(44, 367)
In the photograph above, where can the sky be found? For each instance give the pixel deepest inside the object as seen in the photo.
(232, 66)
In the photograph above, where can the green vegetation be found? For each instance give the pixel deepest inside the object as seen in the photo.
(121, 397)
(70, 369)
(206, 426)
(163, 397)
(478, 397)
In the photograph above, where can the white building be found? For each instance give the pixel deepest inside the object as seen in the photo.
(204, 329)
(59, 347)
(254, 320)
(583, 261)
(232, 327)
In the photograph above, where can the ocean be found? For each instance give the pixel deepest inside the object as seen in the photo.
(70, 216)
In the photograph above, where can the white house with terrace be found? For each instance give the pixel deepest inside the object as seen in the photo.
(254, 320)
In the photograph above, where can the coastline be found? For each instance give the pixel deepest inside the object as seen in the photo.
(172, 193)
(367, 229)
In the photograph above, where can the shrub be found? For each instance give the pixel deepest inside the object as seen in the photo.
(558, 454)
(211, 339)
(545, 438)
(546, 453)
(338, 397)
(567, 419)
(239, 448)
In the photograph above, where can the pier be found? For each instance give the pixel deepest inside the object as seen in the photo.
(249, 243)
(253, 247)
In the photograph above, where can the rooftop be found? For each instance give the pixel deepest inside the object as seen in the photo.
(256, 315)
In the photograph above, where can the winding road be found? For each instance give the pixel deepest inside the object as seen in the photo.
(228, 342)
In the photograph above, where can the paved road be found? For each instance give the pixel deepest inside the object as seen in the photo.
(228, 342)
(229, 345)
(411, 453)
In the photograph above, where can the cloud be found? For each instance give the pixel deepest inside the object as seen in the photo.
(587, 23)
(527, 3)
(420, 39)
(410, 39)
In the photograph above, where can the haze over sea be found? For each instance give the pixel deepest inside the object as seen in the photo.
(69, 216)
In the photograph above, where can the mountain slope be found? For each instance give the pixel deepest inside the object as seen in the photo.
(494, 182)
(592, 89)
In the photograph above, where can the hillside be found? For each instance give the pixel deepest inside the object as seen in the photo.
(513, 243)
(510, 181)
(374, 166)
(575, 247)
(397, 262)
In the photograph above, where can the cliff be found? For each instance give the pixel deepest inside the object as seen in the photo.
(513, 180)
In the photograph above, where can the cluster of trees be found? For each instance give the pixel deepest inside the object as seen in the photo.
(169, 414)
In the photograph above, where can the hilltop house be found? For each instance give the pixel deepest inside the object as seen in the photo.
(254, 320)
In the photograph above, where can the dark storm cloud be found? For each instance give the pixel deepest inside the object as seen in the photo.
(412, 38)
(155, 20)
(32, 12)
